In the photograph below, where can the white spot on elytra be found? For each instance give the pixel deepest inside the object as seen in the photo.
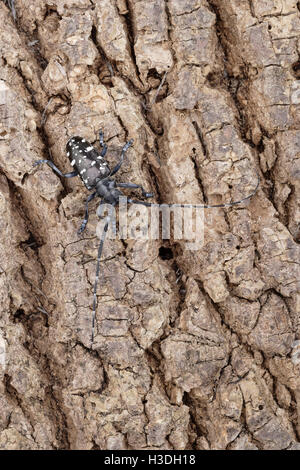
(93, 163)
(89, 149)
(73, 162)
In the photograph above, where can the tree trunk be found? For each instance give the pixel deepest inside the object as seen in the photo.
(194, 349)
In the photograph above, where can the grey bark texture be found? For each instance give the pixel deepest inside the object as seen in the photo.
(193, 349)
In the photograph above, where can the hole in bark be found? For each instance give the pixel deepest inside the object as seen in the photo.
(269, 27)
(30, 242)
(153, 73)
(214, 79)
(261, 407)
(296, 69)
(19, 315)
(165, 253)
(50, 11)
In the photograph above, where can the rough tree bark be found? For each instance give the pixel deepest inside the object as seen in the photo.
(194, 349)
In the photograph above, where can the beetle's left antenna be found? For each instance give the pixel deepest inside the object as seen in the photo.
(103, 235)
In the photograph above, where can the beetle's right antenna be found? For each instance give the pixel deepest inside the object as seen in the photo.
(203, 206)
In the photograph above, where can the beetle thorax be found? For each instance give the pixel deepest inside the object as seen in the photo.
(106, 189)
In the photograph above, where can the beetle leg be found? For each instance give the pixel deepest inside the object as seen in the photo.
(86, 216)
(102, 144)
(134, 186)
(56, 170)
(124, 150)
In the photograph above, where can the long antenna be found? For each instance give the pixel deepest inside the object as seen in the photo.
(103, 235)
(204, 206)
